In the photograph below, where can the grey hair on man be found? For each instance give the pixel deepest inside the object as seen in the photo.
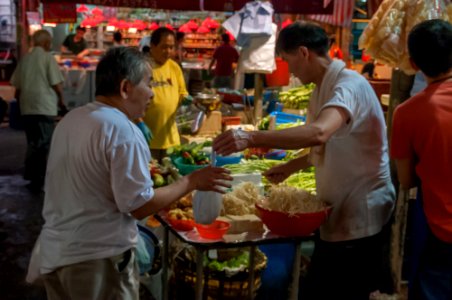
(42, 38)
(119, 63)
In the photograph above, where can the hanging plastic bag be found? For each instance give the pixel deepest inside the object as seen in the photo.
(207, 205)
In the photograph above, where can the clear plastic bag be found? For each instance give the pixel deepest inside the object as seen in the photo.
(206, 206)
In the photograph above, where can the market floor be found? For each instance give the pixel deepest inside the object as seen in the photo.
(20, 219)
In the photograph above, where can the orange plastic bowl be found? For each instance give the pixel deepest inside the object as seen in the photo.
(182, 225)
(301, 224)
(213, 231)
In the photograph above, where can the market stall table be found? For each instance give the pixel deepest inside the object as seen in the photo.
(249, 239)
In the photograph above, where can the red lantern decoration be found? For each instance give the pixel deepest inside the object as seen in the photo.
(286, 23)
(192, 25)
(203, 29)
(185, 29)
(153, 26)
(97, 12)
(113, 22)
(82, 9)
(169, 26)
(231, 37)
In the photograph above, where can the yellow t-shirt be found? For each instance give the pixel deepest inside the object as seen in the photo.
(160, 117)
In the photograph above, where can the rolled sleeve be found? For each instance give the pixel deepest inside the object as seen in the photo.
(343, 98)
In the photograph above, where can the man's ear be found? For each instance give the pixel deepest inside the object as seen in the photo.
(303, 51)
(413, 64)
(124, 88)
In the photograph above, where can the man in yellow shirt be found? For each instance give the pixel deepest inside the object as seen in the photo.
(169, 91)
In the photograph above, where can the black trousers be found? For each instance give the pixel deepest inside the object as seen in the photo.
(348, 270)
(38, 130)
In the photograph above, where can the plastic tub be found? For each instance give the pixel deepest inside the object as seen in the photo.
(214, 231)
(280, 76)
(282, 117)
(228, 160)
(185, 169)
(226, 121)
(182, 225)
(301, 224)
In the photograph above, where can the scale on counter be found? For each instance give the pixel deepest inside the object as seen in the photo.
(208, 120)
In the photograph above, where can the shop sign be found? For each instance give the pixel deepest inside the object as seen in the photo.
(59, 12)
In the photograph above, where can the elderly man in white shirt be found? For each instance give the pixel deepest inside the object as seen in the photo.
(98, 185)
(346, 134)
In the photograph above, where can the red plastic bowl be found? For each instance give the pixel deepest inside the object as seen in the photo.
(301, 224)
(182, 225)
(213, 231)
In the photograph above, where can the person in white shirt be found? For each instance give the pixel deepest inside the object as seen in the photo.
(98, 185)
(346, 134)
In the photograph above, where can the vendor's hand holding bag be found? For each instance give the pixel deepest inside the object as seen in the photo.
(207, 205)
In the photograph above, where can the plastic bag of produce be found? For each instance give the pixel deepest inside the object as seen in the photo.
(206, 206)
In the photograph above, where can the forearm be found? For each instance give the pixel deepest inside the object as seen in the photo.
(290, 138)
(164, 196)
(299, 163)
(83, 53)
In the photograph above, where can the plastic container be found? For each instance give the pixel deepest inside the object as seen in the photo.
(280, 76)
(226, 121)
(214, 231)
(185, 169)
(301, 224)
(228, 160)
(282, 117)
(182, 225)
(276, 154)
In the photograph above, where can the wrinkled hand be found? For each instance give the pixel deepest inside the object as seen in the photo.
(145, 130)
(211, 179)
(278, 173)
(232, 141)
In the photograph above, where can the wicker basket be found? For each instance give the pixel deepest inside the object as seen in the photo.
(217, 285)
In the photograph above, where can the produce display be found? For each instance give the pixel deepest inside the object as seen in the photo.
(191, 154)
(163, 174)
(252, 166)
(385, 37)
(297, 98)
(291, 200)
(303, 180)
(241, 200)
(238, 262)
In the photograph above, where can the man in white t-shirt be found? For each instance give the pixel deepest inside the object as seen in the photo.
(98, 185)
(346, 134)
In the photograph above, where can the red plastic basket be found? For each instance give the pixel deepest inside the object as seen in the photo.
(301, 224)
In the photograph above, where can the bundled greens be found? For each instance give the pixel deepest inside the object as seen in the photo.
(297, 98)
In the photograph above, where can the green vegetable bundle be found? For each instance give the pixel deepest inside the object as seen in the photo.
(297, 98)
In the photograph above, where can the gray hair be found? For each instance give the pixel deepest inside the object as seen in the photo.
(117, 64)
(41, 37)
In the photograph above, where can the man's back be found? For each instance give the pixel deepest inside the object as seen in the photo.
(425, 124)
(34, 77)
(91, 186)
(225, 55)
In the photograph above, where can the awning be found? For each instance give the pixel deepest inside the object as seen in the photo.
(280, 6)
